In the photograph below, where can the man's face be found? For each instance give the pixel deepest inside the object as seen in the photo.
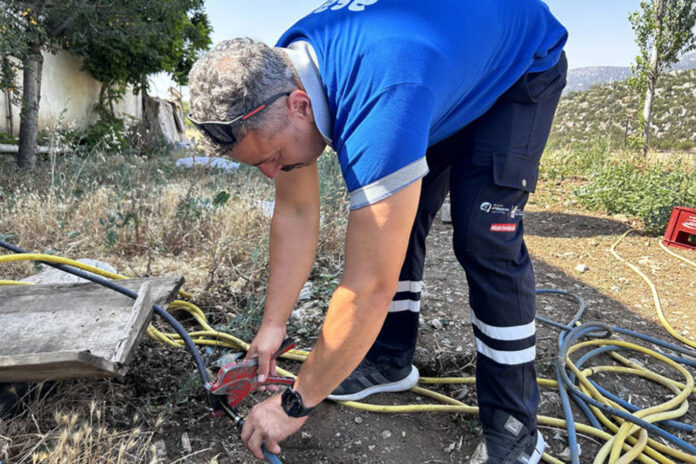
(296, 144)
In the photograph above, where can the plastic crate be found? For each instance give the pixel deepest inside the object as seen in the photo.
(681, 229)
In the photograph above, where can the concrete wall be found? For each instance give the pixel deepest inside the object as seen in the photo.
(64, 88)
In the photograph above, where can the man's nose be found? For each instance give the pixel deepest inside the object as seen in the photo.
(270, 169)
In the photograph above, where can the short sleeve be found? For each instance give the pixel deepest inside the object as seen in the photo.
(384, 143)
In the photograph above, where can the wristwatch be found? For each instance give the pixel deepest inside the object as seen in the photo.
(293, 405)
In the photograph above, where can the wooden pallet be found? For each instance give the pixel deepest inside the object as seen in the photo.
(58, 331)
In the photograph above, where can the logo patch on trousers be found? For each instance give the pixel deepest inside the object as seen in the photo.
(503, 227)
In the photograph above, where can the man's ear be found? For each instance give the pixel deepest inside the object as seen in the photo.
(300, 105)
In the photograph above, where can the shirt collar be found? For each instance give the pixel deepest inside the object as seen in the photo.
(304, 60)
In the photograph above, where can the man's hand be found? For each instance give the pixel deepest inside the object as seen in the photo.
(268, 423)
(264, 345)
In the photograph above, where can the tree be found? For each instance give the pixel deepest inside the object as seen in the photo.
(27, 28)
(142, 38)
(664, 31)
(121, 42)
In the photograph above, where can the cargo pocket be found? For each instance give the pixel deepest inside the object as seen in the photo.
(516, 171)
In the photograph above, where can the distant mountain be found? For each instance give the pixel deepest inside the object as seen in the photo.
(581, 79)
(611, 112)
(688, 61)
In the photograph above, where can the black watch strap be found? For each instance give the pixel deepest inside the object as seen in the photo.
(293, 405)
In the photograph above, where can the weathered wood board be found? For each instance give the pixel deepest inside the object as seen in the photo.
(59, 331)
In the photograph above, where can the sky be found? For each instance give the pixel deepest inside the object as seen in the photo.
(599, 31)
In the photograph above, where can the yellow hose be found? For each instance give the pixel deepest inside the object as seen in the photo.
(623, 430)
(656, 298)
(623, 440)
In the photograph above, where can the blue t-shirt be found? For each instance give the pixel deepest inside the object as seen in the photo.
(401, 75)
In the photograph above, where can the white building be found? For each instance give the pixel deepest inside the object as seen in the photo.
(67, 93)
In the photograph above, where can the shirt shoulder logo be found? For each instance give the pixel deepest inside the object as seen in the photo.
(353, 5)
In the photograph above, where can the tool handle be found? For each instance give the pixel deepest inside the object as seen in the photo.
(287, 345)
(279, 380)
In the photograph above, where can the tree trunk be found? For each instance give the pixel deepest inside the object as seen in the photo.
(653, 73)
(29, 119)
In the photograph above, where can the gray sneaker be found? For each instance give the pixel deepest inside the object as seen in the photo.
(508, 442)
(370, 378)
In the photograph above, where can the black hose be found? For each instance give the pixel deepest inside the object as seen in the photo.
(213, 401)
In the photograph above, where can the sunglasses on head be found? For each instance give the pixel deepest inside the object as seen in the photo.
(221, 132)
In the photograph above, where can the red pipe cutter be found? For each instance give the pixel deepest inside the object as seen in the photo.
(237, 380)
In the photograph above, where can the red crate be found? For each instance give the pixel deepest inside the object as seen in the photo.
(681, 229)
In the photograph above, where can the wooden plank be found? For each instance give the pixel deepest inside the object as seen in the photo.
(58, 365)
(80, 317)
(141, 313)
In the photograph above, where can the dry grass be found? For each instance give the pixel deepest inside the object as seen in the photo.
(82, 437)
(150, 219)
(145, 217)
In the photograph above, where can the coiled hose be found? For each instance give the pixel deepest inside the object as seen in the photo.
(592, 400)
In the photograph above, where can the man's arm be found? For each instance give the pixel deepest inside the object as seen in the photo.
(293, 243)
(376, 244)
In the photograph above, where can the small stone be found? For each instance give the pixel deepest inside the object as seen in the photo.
(371, 447)
(186, 442)
(160, 448)
(582, 268)
(403, 433)
(358, 420)
(357, 443)
(446, 214)
(459, 349)
(306, 293)
(450, 447)
(338, 434)
(386, 434)
(566, 452)
(436, 324)
(306, 435)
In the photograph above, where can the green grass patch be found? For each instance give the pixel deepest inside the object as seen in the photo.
(625, 182)
(647, 193)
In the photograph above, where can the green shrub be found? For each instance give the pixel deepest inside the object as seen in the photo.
(579, 160)
(648, 193)
(6, 138)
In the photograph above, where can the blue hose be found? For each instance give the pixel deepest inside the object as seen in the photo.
(270, 457)
(672, 423)
(569, 334)
(565, 402)
(591, 328)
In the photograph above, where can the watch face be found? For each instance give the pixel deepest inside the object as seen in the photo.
(292, 404)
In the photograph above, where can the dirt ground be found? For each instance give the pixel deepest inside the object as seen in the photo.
(561, 240)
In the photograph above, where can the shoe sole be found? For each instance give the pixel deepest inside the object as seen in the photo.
(404, 384)
(538, 449)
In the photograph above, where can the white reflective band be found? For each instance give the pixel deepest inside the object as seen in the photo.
(404, 305)
(410, 286)
(507, 357)
(515, 332)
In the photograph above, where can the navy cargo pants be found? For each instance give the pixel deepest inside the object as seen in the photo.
(489, 169)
